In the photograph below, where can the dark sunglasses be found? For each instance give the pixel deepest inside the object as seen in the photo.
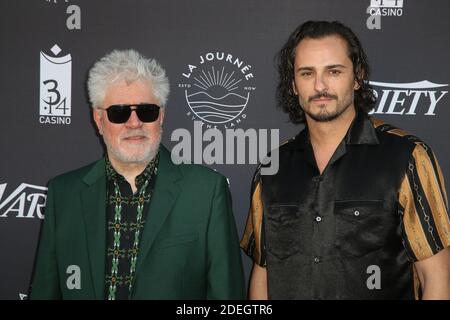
(120, 113)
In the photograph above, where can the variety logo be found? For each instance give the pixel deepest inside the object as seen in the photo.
(55, 87)
(408, 98)
(382, 8)
(27, 201)
(217, 89)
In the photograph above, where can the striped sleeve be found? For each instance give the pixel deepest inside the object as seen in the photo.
(424, 205)
(253, 239)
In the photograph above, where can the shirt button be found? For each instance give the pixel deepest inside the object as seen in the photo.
(316, 260)
(318, 219)
(356, 213)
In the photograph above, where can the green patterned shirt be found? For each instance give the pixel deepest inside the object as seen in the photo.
(126, 215)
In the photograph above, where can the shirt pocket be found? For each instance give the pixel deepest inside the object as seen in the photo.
(362, 226)
(282, 232)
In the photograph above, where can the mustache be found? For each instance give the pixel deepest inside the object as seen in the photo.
(133, 133)
(320, 95)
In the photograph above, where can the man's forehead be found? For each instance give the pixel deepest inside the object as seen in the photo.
(127, 84)
(136, 91)
(329, 50)
(125, 81)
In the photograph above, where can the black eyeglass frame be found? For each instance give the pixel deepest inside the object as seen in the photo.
(120, 113)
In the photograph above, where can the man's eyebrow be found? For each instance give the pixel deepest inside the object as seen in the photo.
(305, 68)
(331, 66)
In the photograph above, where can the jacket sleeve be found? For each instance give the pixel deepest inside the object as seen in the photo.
(225, 274)
(252, 241)
(45, 282)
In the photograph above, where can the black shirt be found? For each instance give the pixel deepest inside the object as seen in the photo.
(353, 231)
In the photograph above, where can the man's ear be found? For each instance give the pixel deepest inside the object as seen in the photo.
(98, 119)
(162, 112)
(294, 89)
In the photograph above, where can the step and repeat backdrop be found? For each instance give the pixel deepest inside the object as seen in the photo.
(48, 46)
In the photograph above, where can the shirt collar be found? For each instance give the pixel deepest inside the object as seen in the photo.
(361, 131)
(145, 175)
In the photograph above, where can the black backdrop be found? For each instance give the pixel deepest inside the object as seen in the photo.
(406, 42)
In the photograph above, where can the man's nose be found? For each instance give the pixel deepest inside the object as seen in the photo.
(133, 121)
(320, 83)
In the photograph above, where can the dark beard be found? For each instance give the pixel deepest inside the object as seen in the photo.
(325, 116)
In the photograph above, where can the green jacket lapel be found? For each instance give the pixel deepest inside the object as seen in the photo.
(93, 199)
(164, 196)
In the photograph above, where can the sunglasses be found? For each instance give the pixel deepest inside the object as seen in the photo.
(120, 113)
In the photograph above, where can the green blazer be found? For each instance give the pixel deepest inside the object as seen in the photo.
(189, 248)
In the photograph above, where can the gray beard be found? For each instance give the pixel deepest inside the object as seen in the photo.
(148, 156)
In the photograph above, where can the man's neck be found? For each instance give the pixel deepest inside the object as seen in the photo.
(128, 170)
(326, 136)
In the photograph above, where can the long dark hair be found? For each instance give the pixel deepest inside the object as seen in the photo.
(286, 98)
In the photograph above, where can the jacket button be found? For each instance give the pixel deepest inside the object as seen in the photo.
(356, 213)
(318, 219)
(316, 260)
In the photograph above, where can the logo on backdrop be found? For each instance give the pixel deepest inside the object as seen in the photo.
(382, 8)
(26, 201)
(422, 97)
(217, 89)
(55, 87)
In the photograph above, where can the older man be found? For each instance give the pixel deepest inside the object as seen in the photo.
(133, 225)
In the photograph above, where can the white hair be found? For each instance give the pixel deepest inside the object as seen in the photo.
(128, 65)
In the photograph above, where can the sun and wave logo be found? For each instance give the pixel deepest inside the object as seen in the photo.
(218, 90)
(223, 108)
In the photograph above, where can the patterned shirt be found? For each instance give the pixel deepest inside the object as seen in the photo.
(421, 204)
(126, 215)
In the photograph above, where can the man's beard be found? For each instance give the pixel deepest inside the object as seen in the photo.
(148, 153)
(324, 115)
